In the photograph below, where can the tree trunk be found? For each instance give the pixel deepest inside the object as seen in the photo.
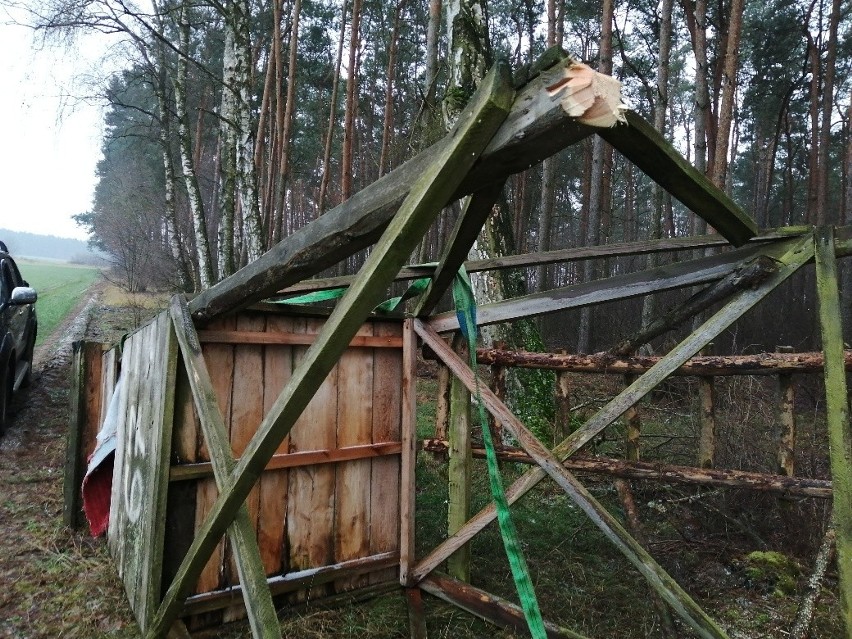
(193, 191)
(387, 127)
(827, 108)
(228, 158)
(332, 117)
(253, 236)
(351, 104)
(729, 85)
(287, 124)
(661, 105)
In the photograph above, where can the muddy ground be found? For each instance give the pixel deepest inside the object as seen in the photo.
(54, 582)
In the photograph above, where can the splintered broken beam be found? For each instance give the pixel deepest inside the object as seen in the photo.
(539, 124)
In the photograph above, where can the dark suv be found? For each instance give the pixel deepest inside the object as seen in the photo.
(18, 327)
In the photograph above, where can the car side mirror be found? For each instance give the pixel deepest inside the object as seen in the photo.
(23, 295)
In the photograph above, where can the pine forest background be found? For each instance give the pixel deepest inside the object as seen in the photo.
(236, 122)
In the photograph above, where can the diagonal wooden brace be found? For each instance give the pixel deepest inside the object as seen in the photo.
(256, 594)
(659, 579)
(799, 254)
(476, 126)
(837, 409)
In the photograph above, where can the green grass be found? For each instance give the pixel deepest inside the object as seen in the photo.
(60, 287)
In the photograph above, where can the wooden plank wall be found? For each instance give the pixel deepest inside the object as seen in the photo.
(140, 475)
(330, 496)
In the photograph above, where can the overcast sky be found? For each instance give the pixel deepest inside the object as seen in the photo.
(51, 138)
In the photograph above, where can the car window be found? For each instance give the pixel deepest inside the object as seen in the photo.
(7, 281)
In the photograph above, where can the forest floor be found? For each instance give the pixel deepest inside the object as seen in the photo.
(58, 582)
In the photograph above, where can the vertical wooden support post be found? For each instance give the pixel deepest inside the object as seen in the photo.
(706, 422)
(459, 470)
(84, 424)
(498, 387)
(442, 404)
(409, 452)
(562, 425)
(634, 426)
(416, 615)
(837, 408)
(787, 422)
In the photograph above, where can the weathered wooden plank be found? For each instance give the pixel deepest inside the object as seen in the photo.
(384, 474)
(476, 210)
(292, 339)
(257, 598)
(616, 249)
(486, 606)
(409, 453)
(700, 366)
(619, 287)
(274, 482)
(689, 611)
(292, 581)
(799, 254)
(652, 471)
(352, 486)
(246, 414)
(310, 498)
(282, 461)
(643, 145)
(140, 496)
(220, 363)
(837, 412)
(475, 127)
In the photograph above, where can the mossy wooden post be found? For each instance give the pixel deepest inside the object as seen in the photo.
(634, 426)
(442, 403)
(476, 126)
(786, 420)
(706, 422)
(460, 466)
(837, 407)
(498, 387)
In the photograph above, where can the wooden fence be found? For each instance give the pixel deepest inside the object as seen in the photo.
(327, 506)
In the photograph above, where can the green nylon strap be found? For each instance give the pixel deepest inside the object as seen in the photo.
(466, 312)
(388, 306)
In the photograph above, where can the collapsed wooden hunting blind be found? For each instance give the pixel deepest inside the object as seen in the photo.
(263, 451)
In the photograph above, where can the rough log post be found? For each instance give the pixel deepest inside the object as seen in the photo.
(706, 422)
(634, 426)
(408, 461)
(562, 423)
(442, 403)
(498, 387)
(786, 420)
(837, 408)
(460, 467)
(416, 614)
